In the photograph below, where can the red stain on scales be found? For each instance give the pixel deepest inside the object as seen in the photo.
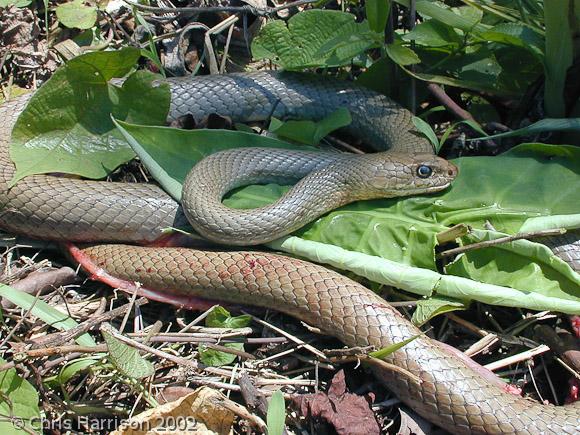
(251, 262)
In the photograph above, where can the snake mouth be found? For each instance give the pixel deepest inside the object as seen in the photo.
(426, 190)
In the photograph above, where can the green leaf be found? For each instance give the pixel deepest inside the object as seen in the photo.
(67, 122)
(559, 53)
(433, 33)
(313, 38)
(71, 369)
(219, 317)
(426, 130)
(45, 312)
(518, 35)
(426, 282)
(401, 55)
(567, 221)
(126, 359)
(77, 14)
(310, 132)
(487, 84)
(465, 18)
(548, 124)
(382, 239)
(377, 14)
(489, 264)
(18, 401)
(276, 414)
(386, 351)
(170, 153)
(432, 307)
(17, 3)
(217, 358)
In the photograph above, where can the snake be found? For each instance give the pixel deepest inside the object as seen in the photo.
(451, 391)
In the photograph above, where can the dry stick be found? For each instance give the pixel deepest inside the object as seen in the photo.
(377, 362)
(135, 344)
(501, 240)
(467, 325)
(448, 103)
(290, 336)
(60, 338)
(251, 395)
(62, 350)
(481, 345)
(198, 319)
(523, 356)
(21, 321)
(487, 340)
(242, 412)
(226, 49)
(130, 307)
(199, 331)
(454, 108)
(566, 346)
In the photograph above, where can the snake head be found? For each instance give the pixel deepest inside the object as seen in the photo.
(394, 174)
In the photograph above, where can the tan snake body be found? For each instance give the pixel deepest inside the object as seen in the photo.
(451, 393)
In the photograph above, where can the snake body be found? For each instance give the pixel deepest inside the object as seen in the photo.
(450, 393)
(339, 179)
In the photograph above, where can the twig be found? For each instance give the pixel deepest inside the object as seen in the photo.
(481, 345)
(501, 240)
(385, 366)
(448, 103)
(60, 338)
(198, 319)
(161, 354)
(290, 336)
(62, 350)
(523, 356)
(242, 412)
(467, 325)
(130, 307)
(20, 321)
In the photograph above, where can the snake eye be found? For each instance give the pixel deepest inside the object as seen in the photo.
(424, 171)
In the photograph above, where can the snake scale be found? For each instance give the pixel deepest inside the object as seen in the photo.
(451, 392)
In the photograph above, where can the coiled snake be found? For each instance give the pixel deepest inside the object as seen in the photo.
(451, 393)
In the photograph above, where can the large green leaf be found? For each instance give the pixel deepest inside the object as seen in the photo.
(465, 18)
(423, 281)
(516, 34)
(77, 14)
(314, 38)
(18, 402)
(432, 33)
(170, 153)
(67, 123)
(504, 190)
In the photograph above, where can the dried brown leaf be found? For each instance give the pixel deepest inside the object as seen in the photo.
(199, 413)
(349, 413)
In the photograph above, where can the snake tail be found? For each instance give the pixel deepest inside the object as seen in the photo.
(450, 392)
